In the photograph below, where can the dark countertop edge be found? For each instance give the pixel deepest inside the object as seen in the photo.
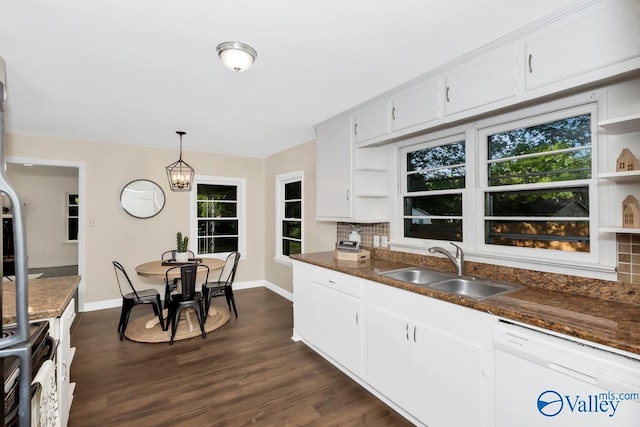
(490, 306)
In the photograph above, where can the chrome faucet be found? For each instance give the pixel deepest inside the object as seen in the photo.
(458, 260)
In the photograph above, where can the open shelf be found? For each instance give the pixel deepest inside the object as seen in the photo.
(620, 125)
(619, 230)
(631, 176)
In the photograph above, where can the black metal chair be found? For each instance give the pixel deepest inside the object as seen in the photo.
(171, 256)
(222, 286)
(132, 297)
(187, 298)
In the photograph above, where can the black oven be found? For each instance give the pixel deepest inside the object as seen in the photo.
(42, 349)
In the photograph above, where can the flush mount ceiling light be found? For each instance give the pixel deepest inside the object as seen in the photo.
(236, 56)
(180, 174)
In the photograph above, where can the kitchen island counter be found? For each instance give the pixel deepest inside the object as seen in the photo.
(610, 323)
(47, 297)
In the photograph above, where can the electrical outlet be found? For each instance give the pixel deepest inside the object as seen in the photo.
(384, 241)
(376, 241)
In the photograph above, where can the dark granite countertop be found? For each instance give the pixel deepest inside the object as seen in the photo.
(614, 324)
(47, 297)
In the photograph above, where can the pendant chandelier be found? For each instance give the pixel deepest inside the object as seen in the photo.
(180, 174)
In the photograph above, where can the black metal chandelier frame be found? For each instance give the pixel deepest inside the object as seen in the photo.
(180, 173)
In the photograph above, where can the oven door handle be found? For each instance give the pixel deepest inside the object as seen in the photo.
(51, 342)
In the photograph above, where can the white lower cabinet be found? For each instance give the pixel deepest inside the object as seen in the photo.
(327, 310)
(338, 329)
(431, 360)
(429, 357)
(64, 357)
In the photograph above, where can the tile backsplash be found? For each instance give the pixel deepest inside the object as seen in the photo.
(367, 231)
(629, 258)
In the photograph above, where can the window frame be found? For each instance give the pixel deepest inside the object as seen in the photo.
(280, 181)
(241, 213)
(416, 144)
(603, 259)
(68, 217)
(542, 255)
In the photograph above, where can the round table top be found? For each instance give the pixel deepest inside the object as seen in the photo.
(157, 270)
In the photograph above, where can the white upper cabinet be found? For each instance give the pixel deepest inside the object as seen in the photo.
(333, 170)
(481, 82)
(371, 123)
(603, 35)
(416, 105)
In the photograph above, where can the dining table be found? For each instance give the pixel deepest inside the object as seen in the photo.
(158, 270)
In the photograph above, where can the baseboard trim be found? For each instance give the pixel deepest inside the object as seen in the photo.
(113, 303)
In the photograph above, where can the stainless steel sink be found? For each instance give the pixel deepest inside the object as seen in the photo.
(417, 275)
(474, 288)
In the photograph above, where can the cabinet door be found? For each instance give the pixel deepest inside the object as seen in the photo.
(370, 123)
(64, 355)
(337, 326)
(486, 81)
(417, 105)
(388, 353)
(604, 36)
(333, 169)
(302, 300)
(447, 373)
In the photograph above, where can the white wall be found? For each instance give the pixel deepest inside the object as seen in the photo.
(43, 192)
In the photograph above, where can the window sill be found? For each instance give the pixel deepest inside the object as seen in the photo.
(284, 261)
(69, 242)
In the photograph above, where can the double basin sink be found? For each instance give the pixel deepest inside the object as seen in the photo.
(468, 286)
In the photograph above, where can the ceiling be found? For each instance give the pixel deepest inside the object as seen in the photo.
(136, 71)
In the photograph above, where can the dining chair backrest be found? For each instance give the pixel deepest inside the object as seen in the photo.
(228, 273)
(188, 275)
(124, 283)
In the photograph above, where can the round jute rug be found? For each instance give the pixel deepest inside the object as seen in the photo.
(147, 328)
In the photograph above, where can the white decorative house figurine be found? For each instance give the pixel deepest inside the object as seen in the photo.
(630, 212)
(627, 161)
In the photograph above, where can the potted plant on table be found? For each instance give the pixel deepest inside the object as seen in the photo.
(181, 248)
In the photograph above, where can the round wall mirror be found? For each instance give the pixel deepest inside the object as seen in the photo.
(142, 198)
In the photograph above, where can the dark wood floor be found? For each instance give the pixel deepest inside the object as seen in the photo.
(249, 372)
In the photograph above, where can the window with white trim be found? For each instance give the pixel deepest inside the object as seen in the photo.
(218, 215)
(289, 214)
(530, 196)
(433, 182)
(73, 205)
(536, 178)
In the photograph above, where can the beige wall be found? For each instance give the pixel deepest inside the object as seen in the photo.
(318, 236)
(132, 241)
(43, 192)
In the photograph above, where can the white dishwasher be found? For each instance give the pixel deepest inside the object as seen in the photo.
(544, 380)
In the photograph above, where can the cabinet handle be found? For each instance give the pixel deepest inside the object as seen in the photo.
(530, 63)
(407, 331)
(332, 282)
(347, 194)
(414, 333)
(447, 95)
(355, 129)
(357, 318)
(393, 113)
